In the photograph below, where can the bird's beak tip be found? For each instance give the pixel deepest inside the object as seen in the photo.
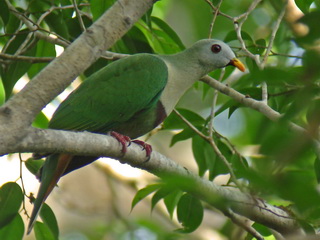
(238, 64)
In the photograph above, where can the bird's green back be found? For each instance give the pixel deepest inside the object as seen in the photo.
(113, 95)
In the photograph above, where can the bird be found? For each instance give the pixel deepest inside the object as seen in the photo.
(128, 98)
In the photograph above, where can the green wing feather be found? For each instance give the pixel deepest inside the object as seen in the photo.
(113, 95)
(110, 98)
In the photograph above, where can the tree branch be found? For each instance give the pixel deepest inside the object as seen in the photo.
(260, 107)
(85, 143)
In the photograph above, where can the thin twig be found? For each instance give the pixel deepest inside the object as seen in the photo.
(245, 15)
(26, 58)
(214, 147)
(14, 35)
(82, 26)
(214, 102)
(190, 125)
(243, 223)
(238, 26)
(23, 188)
(264, 88)
(215, 9)
(215, 14)
(273, 35)
(33, 27)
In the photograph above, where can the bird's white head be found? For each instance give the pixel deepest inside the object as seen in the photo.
(214, 54)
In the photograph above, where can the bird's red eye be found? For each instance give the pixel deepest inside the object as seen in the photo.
(215, 48)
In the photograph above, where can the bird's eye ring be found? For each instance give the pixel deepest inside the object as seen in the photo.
(215, 48)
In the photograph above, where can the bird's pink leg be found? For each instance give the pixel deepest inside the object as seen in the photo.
(125, 142)
(122, 139)
(145, 146)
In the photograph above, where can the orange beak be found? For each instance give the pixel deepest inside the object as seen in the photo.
(236, 62)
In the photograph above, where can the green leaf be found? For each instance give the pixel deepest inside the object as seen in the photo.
(147, 18)
(171, 201)
(42, 232)
(207, 159)
(174, 122)
(4, 12)
(312, 20)
(12, 25)
(98, 7)
(13, 230)
(38, 6)
(161, 40)
(317, 168)
(74, 28)
(304, 5)
(13, 72)
(190, 213)
(167, 29)
(198, 146)
(181, 136)
(11, 198)
(263, 230)
(2, 92)
(229, 104)
(41, 121)
(49, 219)
(239, 165)
(161, 193)
(34, 165)
(57, 24)
(260, 47)
(218, 167)
(144, 192)
(231, 36)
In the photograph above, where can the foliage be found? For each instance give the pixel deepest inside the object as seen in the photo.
(283, 168)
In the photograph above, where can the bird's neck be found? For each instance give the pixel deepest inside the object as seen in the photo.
(184, 70)
(189, 63)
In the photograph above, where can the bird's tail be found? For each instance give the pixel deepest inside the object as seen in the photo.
(53, 168)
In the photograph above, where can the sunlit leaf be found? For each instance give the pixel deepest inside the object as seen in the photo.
(41, 121)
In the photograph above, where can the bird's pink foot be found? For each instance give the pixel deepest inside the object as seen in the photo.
(122, 139)
(145, 146)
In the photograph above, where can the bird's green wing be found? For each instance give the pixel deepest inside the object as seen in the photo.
(113, 95)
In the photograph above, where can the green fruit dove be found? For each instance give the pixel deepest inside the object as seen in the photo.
(128, 98)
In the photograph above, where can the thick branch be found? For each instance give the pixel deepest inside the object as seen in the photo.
(85, 143)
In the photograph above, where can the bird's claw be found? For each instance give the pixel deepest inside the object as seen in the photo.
(146, 147)
(125, 141)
